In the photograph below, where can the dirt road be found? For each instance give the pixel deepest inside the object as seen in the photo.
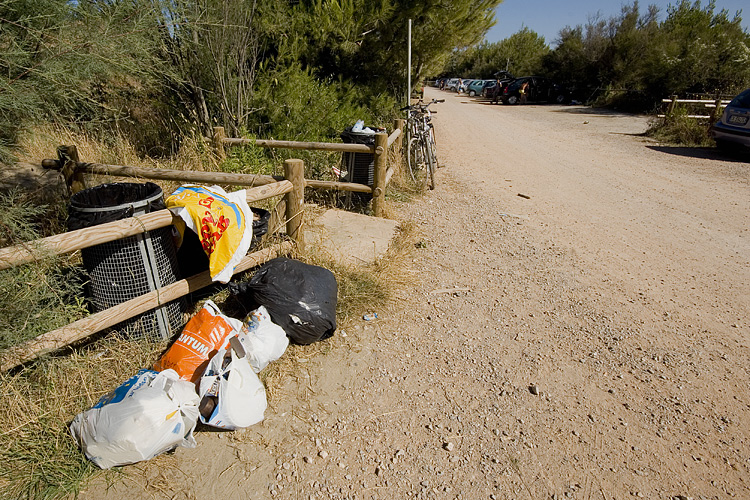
(591, 341)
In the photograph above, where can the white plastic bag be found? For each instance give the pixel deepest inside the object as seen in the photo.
(147, 415)
(263, 340)
(232, 396)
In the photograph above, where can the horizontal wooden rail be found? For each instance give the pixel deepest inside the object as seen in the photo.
(111, 231)
(392, 138)
(84, 328)
(177, 175)
(268, 190)
(708, 102)
(705, 117)
(341, 186)
(315, 146)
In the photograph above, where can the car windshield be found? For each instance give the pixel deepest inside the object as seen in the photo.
(742, 100)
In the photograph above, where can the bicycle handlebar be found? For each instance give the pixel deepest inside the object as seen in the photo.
(421, 106)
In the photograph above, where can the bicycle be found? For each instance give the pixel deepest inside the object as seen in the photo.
(421, 150)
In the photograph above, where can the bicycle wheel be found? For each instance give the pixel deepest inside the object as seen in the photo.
(431, 161)
(417, 161)
(433, 146)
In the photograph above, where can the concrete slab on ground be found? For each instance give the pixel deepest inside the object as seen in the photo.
(350, 238)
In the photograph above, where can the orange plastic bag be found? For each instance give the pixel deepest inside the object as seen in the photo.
(206, 333)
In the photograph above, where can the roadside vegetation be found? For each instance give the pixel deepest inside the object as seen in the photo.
(630, 61)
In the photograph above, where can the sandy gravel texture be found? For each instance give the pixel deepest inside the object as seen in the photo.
(591, 341)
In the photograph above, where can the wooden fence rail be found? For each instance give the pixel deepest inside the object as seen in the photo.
(382, 174)
(715, 105)
(292, 205)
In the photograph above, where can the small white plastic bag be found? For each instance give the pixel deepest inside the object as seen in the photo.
(148, 414)
(263, 340)
(232, 395)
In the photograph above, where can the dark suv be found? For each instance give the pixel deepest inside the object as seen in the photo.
(539, 89)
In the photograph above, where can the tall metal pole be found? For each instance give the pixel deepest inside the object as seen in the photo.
(408, 70)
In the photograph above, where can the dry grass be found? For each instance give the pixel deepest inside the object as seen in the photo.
(40, 459)
(194, 154)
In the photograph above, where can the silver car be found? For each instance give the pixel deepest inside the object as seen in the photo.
(451, 84)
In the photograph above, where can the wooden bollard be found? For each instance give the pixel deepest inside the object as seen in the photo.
(399, 123)
(218, 141)
(716, 112)
(670, 108)
(381, 168)
(294, 171)
(74, 178)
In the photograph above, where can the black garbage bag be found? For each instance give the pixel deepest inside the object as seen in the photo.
(300, 298)
(260, 226)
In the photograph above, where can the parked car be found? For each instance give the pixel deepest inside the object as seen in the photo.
(451, 84)
(491, 91)
(733, 128)
(539, 89)
(466, 82)
(476, 87)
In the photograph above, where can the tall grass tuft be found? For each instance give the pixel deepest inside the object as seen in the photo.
(681, 130)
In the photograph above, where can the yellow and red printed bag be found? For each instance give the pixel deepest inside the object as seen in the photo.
(222, 221)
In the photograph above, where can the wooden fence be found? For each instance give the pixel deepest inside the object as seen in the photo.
(288, 213)
(714, 105)
(291, 206)
(382, 171)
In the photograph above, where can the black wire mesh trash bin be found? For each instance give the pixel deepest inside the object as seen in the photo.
(128, 268)
(359, 167)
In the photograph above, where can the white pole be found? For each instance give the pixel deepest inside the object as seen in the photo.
(408, 70)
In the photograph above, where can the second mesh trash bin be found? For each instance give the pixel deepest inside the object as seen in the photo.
(125, 269)
(360, 167)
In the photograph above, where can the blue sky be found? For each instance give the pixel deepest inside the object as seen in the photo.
(547, 17)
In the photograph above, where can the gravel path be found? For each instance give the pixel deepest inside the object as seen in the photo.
(590, 341)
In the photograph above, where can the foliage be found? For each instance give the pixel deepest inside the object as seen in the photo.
(157, 71)
(35, 298)
(629, 61)
(520, 54)
(633, 61)
(85, 63)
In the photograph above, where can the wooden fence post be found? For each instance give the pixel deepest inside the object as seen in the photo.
(74, 178)
(716, 112)
(399, 124)
(294, 171)
(218, 140)
(381, 168)
(670, 108)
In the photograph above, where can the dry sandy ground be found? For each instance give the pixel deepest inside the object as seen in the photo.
(596, 344)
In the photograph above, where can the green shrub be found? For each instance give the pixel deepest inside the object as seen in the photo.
(681, 130)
